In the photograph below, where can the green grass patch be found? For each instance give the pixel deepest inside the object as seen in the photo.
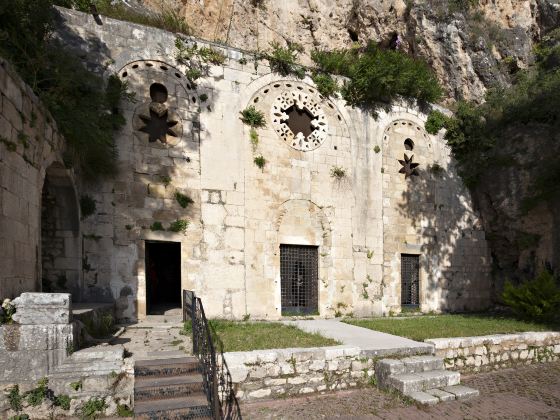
(247, 336)
(441, 326)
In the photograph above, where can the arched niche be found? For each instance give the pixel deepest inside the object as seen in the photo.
(60, 234)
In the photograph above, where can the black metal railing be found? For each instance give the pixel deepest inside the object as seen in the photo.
(218, 385)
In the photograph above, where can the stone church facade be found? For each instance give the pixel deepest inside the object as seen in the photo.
(350, 214)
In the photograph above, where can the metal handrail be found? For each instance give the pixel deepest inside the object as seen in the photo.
(218, 384)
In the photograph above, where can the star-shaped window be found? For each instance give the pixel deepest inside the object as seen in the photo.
(408, 166)
(157, 124)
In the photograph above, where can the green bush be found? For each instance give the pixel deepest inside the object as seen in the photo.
(326, 85)
(183, 199)
(92, 407)
(156, 226)
(436, 121)
(253, 117)
(14, 398)
(36, 396)
(537, 299)
(260, 161)
(124, 411)
(62, 401)
(84, 106)
(376, 75)
(284, 60)
(179, 226)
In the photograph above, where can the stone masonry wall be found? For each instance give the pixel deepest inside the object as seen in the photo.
(241, 214)
(287, 372)
(473, 354)
(29, 144)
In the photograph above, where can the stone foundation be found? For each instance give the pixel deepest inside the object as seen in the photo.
(281, 373)
(41, 343)
(489, 352)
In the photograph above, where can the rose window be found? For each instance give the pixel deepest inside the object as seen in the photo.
(299, 120)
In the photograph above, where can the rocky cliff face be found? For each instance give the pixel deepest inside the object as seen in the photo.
(470, 48)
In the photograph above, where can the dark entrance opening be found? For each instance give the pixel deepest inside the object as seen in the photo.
(163, 276)
(299, 279)
(410, 280)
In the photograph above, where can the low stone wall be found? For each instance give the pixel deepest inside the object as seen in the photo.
(286, 372)
(489, 352)
(39, 339)
(40, 345)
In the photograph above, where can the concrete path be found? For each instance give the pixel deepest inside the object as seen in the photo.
(372, 343)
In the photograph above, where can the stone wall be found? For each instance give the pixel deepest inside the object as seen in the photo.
(30, 150)
(281, 373)
(41, 344)
(240, 214)
(40, 338)
(473, 354)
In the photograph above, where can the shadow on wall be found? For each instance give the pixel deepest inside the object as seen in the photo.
(152, 196)
(453, 244)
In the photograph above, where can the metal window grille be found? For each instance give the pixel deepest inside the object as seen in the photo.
(410, 273)
(299, 279)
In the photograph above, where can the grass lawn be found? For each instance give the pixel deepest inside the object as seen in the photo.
(440, 326)
(246, 336)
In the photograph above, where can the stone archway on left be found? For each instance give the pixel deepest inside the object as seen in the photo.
(60, 242)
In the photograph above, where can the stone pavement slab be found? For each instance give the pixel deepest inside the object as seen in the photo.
(371, 343)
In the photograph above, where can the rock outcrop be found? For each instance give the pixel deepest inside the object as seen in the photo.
(470, 47)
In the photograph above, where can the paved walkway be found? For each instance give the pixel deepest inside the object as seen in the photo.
(528, 392)
(372, 343)
(156, 336)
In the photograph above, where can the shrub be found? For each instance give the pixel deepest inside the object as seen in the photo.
(253, 117)
(92, 407)
(87, 206)
(536, 299)
(62, 401)
(124, 411)
(156, 226)
(260, 161)
(203, 97)
(14, 398)
(179, 226)
(435, 122)
(284, 60)
(76, 386)
(338, 172)
(376, 75)
(183, 199)
(254, 136)
(83, 104)
(326, 85)
(377, 149)
(36, 396)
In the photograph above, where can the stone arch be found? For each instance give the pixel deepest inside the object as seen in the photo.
(60, 242)
(292, 215)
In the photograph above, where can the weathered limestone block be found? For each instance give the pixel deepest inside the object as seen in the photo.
(42, 308)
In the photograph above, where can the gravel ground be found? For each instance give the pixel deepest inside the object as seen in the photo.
(529, 392)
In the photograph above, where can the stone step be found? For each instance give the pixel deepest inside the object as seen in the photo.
(415, 382)
(154, 388)
(441, 394)
(462, 392)
(94, 367)
(413, 364)
(166, 367)
(423, 398)
(173, 408)
(97, 353)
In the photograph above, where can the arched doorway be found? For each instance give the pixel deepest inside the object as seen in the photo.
(60, 234)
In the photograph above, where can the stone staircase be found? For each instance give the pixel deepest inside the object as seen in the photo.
(169, 388)
(422, 378)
